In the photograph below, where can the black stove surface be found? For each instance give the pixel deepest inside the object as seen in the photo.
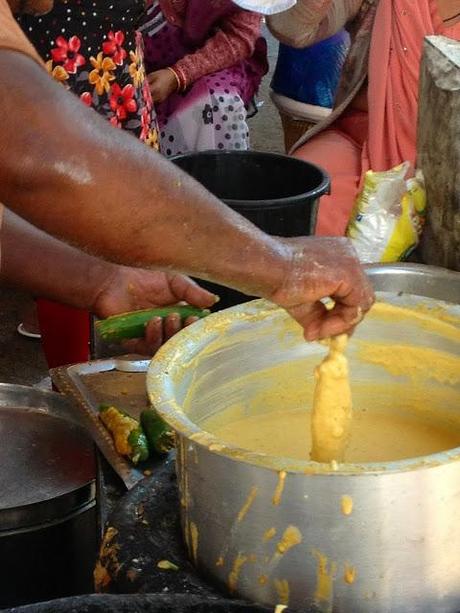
(141, 603)
(142, 530)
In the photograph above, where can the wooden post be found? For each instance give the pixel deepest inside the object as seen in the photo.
(439, 150)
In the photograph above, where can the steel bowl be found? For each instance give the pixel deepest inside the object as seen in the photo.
(48, 514)
(273, 530)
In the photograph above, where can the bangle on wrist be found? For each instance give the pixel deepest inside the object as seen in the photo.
(180, 84)
(180, 78)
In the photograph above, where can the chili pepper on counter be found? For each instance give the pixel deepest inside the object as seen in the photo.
(159, 436)
(127, 433)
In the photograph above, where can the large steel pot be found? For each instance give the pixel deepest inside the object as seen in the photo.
(399, 548)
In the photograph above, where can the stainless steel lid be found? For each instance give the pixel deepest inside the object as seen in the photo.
(47, 459)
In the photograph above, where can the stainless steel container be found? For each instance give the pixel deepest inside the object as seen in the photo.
(275, 530)
(48, 519)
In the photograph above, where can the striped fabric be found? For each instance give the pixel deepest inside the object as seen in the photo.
(155, 20)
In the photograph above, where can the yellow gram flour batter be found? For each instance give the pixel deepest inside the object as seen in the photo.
(405, 396)
(332, 410)
(377, 436)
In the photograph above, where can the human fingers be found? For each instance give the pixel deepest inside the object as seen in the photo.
(152, 341)
(155, 93)
(354, 288)
(331, 322)
(357, 294)
(320, 321)
(171, 325)
(190, 320)
(188, 290)
(157, 332)
(309, 316)
(155, 86)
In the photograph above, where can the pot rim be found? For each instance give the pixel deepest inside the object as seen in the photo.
(171, 355)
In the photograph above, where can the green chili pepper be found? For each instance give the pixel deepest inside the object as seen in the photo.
(159, 436)
(132, 325)
(139, 445)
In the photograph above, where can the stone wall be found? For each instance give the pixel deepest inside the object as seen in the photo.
(439, 150)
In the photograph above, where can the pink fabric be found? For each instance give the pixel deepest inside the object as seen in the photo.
(196, 17)
(233, 41)
(218, 35)
(394, 63)
(339, 151)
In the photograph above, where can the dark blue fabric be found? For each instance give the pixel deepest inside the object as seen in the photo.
(312, 75)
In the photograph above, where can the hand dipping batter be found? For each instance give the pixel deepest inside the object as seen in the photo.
(332, 409)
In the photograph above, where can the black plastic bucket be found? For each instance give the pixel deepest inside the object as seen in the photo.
(279, 194)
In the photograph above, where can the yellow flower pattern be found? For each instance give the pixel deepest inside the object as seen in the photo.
(57, 72)
(136, 69)
(102, 75)
(107, 75)
(152, 140)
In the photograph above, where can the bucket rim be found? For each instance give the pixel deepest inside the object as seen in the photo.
(266, 204)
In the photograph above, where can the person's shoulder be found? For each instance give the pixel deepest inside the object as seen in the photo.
(11, 35)
(5, 12)
(8, 25)
(4, 8)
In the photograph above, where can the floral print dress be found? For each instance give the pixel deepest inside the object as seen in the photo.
(92, 48)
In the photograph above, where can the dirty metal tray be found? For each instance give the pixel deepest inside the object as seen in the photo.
(119, 381)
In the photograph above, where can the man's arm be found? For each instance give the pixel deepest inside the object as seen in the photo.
(46, 267)
(64, 169)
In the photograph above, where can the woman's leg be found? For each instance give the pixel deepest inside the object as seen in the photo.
(341, 158)
(65, 333)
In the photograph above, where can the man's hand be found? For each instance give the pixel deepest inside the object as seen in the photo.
(130, 289)
(162, 83)
(324, 268)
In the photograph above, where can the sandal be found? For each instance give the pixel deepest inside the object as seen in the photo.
(21, 329)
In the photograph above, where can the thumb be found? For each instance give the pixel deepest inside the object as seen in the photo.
(186, 289)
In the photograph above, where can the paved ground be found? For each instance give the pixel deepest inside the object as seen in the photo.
(21, 360)
(266, 132)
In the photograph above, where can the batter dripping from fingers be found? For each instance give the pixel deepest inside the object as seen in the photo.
(332, 407)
